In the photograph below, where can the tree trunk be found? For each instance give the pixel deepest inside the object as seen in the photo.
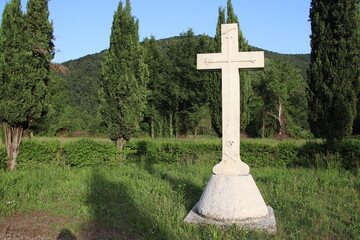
(263, 128)
(152, 129)
(282, 120)
(13, 137)
(170, 126)
(196, 129)
(120, 143)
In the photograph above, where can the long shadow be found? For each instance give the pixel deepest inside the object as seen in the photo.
(114, 213)
(66, 234)
(190, 192)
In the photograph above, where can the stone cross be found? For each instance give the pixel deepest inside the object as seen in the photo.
(230, 60)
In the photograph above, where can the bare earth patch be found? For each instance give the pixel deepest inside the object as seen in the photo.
(35, 225)
(38, 226)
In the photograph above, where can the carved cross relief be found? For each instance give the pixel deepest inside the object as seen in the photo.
(230, 60)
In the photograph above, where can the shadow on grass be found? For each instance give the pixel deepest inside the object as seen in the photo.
(189, 191)
(115, 215)
(66, 234)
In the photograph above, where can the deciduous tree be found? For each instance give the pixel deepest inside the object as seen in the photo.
(279, 84)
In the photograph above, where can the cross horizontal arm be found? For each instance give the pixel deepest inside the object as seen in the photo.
(241, 60)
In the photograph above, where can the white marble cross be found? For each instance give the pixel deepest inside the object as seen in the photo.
(230, 60)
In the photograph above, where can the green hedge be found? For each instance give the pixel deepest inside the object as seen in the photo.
(345, 153)
(260, 155)
(87, 152)
(169, 151)
(256, 154)
(84, 152)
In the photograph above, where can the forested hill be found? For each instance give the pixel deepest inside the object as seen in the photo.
(84, 78)
(89, 65)
(299, 61)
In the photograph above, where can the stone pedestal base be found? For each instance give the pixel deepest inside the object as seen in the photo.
(229, 200)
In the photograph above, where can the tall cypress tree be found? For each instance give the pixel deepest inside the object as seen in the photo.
(334, 74)
(215, 82)
(23, 76)
(156, 61)
(245, 81)
(213, 85)
(124, 78)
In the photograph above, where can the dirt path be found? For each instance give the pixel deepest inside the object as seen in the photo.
(36, 225)
(40, 226)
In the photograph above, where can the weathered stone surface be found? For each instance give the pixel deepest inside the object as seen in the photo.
(230, 60)
(267, 223)
(231, 198)
(231, 195)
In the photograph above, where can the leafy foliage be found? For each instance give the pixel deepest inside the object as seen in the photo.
(282, 98)
(80, 153)
(90, 153)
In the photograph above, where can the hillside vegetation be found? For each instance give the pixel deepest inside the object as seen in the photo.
(81, 112)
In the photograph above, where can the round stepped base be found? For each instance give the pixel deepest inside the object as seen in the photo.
(229, 200)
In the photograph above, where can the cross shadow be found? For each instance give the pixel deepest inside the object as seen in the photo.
(114, 214)
(66, 234)
(189, 191)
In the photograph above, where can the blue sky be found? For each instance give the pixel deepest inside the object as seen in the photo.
(83, 27)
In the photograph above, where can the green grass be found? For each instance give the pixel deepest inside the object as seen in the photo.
(151, 201)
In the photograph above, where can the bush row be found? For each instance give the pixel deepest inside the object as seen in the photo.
(87, 152)
(84, 152)
(256, 154)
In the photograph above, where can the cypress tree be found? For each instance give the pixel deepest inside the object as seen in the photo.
(156, 61)
(124, 78)
(245, 81)
(23, 76)
(213, 85)
(334, 74)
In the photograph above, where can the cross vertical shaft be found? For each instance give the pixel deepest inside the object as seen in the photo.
(230, 60)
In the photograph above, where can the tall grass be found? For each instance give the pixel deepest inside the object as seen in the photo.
(150, 201)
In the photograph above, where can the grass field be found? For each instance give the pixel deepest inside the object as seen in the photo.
(140, 201)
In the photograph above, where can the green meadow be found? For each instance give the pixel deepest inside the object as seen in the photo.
(144, 200)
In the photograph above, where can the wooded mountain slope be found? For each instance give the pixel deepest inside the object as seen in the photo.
(84, 74)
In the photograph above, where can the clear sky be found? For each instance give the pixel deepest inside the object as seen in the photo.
(83, 27)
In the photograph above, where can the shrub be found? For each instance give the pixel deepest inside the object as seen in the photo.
(34, 152)
(346, 153)
(170, 151)
(86, 152)
(3, 158)
(261, 155)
